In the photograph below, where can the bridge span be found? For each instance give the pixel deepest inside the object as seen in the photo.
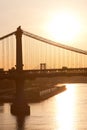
(28, 56)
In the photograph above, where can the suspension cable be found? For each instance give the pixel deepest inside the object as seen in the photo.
(54, 43)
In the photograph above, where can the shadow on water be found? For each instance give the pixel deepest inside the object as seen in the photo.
(20, 116)
(20, 119)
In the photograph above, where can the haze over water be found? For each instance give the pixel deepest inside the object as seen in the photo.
(65, 111)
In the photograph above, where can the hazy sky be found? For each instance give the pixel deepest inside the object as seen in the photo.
(61, 20)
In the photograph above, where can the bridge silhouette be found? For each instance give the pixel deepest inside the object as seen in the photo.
(35, 53)
(24, 55)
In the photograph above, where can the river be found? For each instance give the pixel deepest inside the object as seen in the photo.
(65, 111)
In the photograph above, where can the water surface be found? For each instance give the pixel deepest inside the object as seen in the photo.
(65, 111)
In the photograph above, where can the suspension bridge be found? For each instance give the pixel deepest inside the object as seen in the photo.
(36, 54)
(24, 55)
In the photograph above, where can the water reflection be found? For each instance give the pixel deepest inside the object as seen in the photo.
(65, 108)
(20, 122)
(65, 111)
(1, 107)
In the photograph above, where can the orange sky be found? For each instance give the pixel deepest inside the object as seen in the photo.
(36, 15)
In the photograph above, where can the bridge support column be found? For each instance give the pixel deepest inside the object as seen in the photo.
(20, 106)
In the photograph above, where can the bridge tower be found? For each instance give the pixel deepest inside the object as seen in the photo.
(19, 106)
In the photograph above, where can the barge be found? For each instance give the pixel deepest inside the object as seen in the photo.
(34, 90)
(37, 95)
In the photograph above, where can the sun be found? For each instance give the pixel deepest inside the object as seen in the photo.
(63, 27)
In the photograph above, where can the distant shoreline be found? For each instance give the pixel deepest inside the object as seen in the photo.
(72, 79)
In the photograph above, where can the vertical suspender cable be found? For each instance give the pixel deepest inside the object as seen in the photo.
(7, 53)
(3, 54)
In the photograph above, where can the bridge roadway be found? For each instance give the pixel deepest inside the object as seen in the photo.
(32, 74)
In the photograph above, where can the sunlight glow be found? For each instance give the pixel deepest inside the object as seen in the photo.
(65, 106)
(64, 27)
